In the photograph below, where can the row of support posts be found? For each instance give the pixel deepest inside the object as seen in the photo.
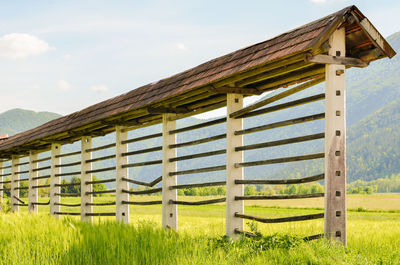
(335, 163)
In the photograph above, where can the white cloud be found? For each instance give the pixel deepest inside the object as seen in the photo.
(20, 45)
(64, 85)
(99, 88)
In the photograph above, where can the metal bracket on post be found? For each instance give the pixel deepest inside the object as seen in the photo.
(33, 192)
(234, 103)
(335, 142)
(122, 210)
(169, 211)
(54, 179)
(86, 198)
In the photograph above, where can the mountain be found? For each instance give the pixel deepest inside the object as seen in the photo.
(373, 137)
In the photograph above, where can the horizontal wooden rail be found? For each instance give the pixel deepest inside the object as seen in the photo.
(279, 197)
(198, 202)
(100, 214)
(313, 237)
(245, 233)
(20, 204)
(100, 170)
(68, 204)
(69, 154)
(282, 123)
(41, 159)
(5, 167)
(5, 189)
(143, 151)
(141, 192)
(5, 175)
(21, 180)
(207, 184)
(198, 170)
(199, 141)
(21, 188)
(68, 174)
(68, 194)
(100, 158)
(148, 184)
(100, 203)
(282, 106)
(41, 177)
(280, 181)
(198, 155)
(281, 142)
(41, 186)
(100, 148)
(138, 139)
(142, 203)
(281, 160)
(22, 164)
(100, 192)
(281, 220)
(5, 182)
(66, 213)
(69, 164)
(100, 181)
(41, 168)
(21, 172)
(198, 126)
(41, 203)
(18, 199)
(147, 163)
(67, 184)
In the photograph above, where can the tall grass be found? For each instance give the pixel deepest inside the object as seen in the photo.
(42, 239)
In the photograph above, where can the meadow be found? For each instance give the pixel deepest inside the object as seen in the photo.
(373, 235)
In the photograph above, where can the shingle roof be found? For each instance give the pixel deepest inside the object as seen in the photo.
(307, 38)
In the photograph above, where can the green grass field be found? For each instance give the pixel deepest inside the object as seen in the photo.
(373, 235)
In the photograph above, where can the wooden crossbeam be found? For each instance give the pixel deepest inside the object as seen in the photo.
(162, 110)
(341, 60)
(235, 90)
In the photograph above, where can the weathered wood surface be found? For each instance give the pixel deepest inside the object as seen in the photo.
(279, 197)
(282, 219)
(281, 160)
(280, 181)
(199, 141)
(198, 155)
(197, 170)
(198, 202)
(196, 185)
(340, 60)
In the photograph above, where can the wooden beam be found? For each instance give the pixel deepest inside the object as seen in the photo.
(335, 143)
(122, 210)
(14, 184)
(235, 90)
(33, 174)
(339, 60)
(54, 179)
(164, 110)
(86, 196)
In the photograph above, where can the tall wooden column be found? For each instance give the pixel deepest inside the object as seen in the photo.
(86, 144)
(169, 211)
(1, 181)
(55, 179)
(335, 142)
(122, 210)
(14, 184)
(33, 192)
(234, 103)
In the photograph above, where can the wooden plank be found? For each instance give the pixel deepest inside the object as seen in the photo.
(199, 141)
(68, 184)
(68, 204)
(276, 97)
(234, 103)
(100, 169)
(100, 158)
(279, 124)
(283, 106)
(162, 110)
(69, 164)
(99, 192)
(339, 60)
(282, 219)
(143, 151)
(280, 197)
(143, 183)
(142, 203)
(245, 233)
(280, 160)
(107, 146)
(69, 154)
(335, 144)
(235, 90)
(66, 213)
(43, 177)
(169, 211)
(138, 139)
(101, 181)
(198, 170)
(281, 142)
(102, 203)
(280, 181)
(175, 202)
(33, 194)
(41, 168)
(141, 192)
(41, 186)
(100, 214)
(198, 126)
(196, 185)
(86, 176)
(54, 178)
(141, 164)
(205, 154)
(42, 159)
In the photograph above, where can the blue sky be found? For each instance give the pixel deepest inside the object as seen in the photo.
(62, 56)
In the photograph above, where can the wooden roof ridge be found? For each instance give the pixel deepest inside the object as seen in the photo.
(216, 72)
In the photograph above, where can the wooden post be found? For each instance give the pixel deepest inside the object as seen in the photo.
(33, 193)
(169, 211)
(86, 143)
(335, 142)
(1, 181)
(14, 184)
(54, 199)
(234, 103)
(122, 210)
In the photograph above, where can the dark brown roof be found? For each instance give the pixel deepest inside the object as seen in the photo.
(264, 65)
